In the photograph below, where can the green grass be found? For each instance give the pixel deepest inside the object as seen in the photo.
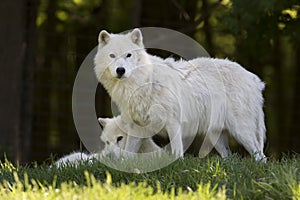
(191, 178)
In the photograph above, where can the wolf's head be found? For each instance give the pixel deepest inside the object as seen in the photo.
(112, 135)
(119, 54)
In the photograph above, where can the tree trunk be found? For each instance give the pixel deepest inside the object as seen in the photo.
(43, 90)
(207, 28)
(29, 64)
(17, 59)
(279, 97)
(294, 131)
(136, 13)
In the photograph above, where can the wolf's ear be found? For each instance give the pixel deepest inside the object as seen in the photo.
(103, 37)
(103, 121)
(136, 37)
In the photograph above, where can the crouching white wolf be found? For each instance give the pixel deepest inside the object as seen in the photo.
(114, 136)
(180, 98)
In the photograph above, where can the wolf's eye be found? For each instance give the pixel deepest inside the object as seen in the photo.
(107, 142)
(119, 138)
(128, 55)
(112, 55)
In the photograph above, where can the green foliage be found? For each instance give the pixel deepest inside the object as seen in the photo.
(209, 178)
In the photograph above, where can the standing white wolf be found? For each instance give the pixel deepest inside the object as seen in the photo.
(180, 98)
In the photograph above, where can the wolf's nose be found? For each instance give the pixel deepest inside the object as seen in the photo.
(120, 71)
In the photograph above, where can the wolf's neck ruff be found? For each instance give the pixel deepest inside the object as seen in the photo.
(133, 90)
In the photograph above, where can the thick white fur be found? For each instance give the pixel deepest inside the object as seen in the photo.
(115, 137)
(204, 95)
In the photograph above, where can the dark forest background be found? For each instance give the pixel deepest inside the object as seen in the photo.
(44, 42)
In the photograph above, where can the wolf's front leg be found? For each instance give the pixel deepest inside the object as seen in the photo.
(175, 136)
(149, 145)
(133, 144)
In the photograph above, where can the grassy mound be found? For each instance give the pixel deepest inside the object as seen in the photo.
(190, 178)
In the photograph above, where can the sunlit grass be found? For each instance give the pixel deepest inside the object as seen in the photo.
(191, 178)
(95, 189)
